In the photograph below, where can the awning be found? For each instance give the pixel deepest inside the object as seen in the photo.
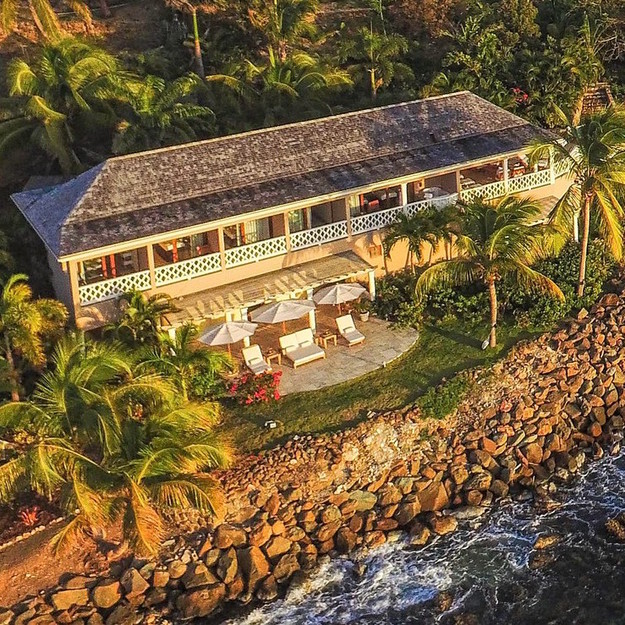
(287, 282)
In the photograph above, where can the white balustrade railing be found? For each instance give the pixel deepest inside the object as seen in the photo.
(529, 181)
(485, 192)
(374, 221)
(114, 287)
(188, 269)
(255, 251)
(561, 167)
(436, 202)
(319, 235)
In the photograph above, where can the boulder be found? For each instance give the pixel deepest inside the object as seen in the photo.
(176, 569)
(330, 514)
(277, 546)
(346, 540)
(286, 566)
(260, 534)
(200, 603)
(227, 535)
(106, 594)
(133, 583)
(227, 566)
(365, 500)
(534, 453)
(419, 534)
(407, 511)
(6, 616)
(160, 578)
(66, 599)
(433, 498)
(325, 532)
(123, 614)
(254, 566)
(198, 575)
(268, 590)
(443, 525)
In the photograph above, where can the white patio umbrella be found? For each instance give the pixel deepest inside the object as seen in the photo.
(228, 333)
(337, 294)
(282, 311)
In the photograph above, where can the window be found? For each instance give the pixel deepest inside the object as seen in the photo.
(380, 199)
(184, 248)
(112, 266)
(248, 232)
(298, 220)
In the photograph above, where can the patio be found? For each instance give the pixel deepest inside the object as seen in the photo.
(382, 345)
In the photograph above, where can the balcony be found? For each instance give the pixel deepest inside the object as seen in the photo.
(251, 253)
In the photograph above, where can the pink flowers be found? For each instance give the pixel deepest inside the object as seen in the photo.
(520, 96)
(258, 389)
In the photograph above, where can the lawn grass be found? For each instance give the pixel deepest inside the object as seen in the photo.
(440, 352)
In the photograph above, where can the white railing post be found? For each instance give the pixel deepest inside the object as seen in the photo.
(506, 174)
(222, 247)
(552, 171)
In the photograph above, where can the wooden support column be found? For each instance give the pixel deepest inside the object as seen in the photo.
(312, 319)
(458, 182)
(404, 193)
(552, 170)
(287, 233)
(348, 218)
(506, 174)
(222, 247)
(151, 266)
(371, 276)
(74, 287)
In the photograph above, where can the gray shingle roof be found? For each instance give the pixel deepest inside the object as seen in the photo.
(155, 192)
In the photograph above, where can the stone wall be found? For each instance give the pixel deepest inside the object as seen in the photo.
(532, 422)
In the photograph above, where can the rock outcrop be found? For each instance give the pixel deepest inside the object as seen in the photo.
(534, 420)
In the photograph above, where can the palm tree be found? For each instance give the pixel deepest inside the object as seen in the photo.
(376, 56)
(283, 22)
(416, 231)
(141, 318)
(494, 242)
(161, 115)
(192, 7)
(58, 103)
(152, 454)
(178, 360)
(14, 12)
(284, 89)
(593, 154)
(24, 325)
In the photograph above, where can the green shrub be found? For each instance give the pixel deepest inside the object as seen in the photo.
(443, 399)
(395, 299)
(542, 310)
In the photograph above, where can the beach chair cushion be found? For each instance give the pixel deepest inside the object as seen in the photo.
(347, 329)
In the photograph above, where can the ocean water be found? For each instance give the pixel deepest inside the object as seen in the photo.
(486, 573)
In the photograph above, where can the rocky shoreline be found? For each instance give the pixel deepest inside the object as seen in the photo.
(531, 422)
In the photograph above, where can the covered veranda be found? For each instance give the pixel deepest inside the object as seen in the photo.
(233, 302)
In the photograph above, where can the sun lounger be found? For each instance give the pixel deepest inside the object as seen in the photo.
(254, 360)
(347, 330)
(300, 347)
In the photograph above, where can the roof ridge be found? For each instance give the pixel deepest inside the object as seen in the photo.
(304, 122)
(308, 171)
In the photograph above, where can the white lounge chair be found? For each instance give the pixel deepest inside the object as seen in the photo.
(347, 330)
(300, 347)
(254, 360)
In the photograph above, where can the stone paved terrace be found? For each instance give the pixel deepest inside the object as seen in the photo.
(382, 345)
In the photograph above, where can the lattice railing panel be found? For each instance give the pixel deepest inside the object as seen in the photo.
(109, 289)
(529, 181)
(485, 192)
(374, 221)
(187, 269)
(561, 167)
(437, 202)
(255, 251)
(317, 236)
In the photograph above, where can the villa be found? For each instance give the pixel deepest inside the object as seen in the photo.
(226, 224)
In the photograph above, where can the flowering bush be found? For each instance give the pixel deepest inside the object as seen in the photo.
(256, 389)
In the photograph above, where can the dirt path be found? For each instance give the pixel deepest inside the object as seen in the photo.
(30, 566)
